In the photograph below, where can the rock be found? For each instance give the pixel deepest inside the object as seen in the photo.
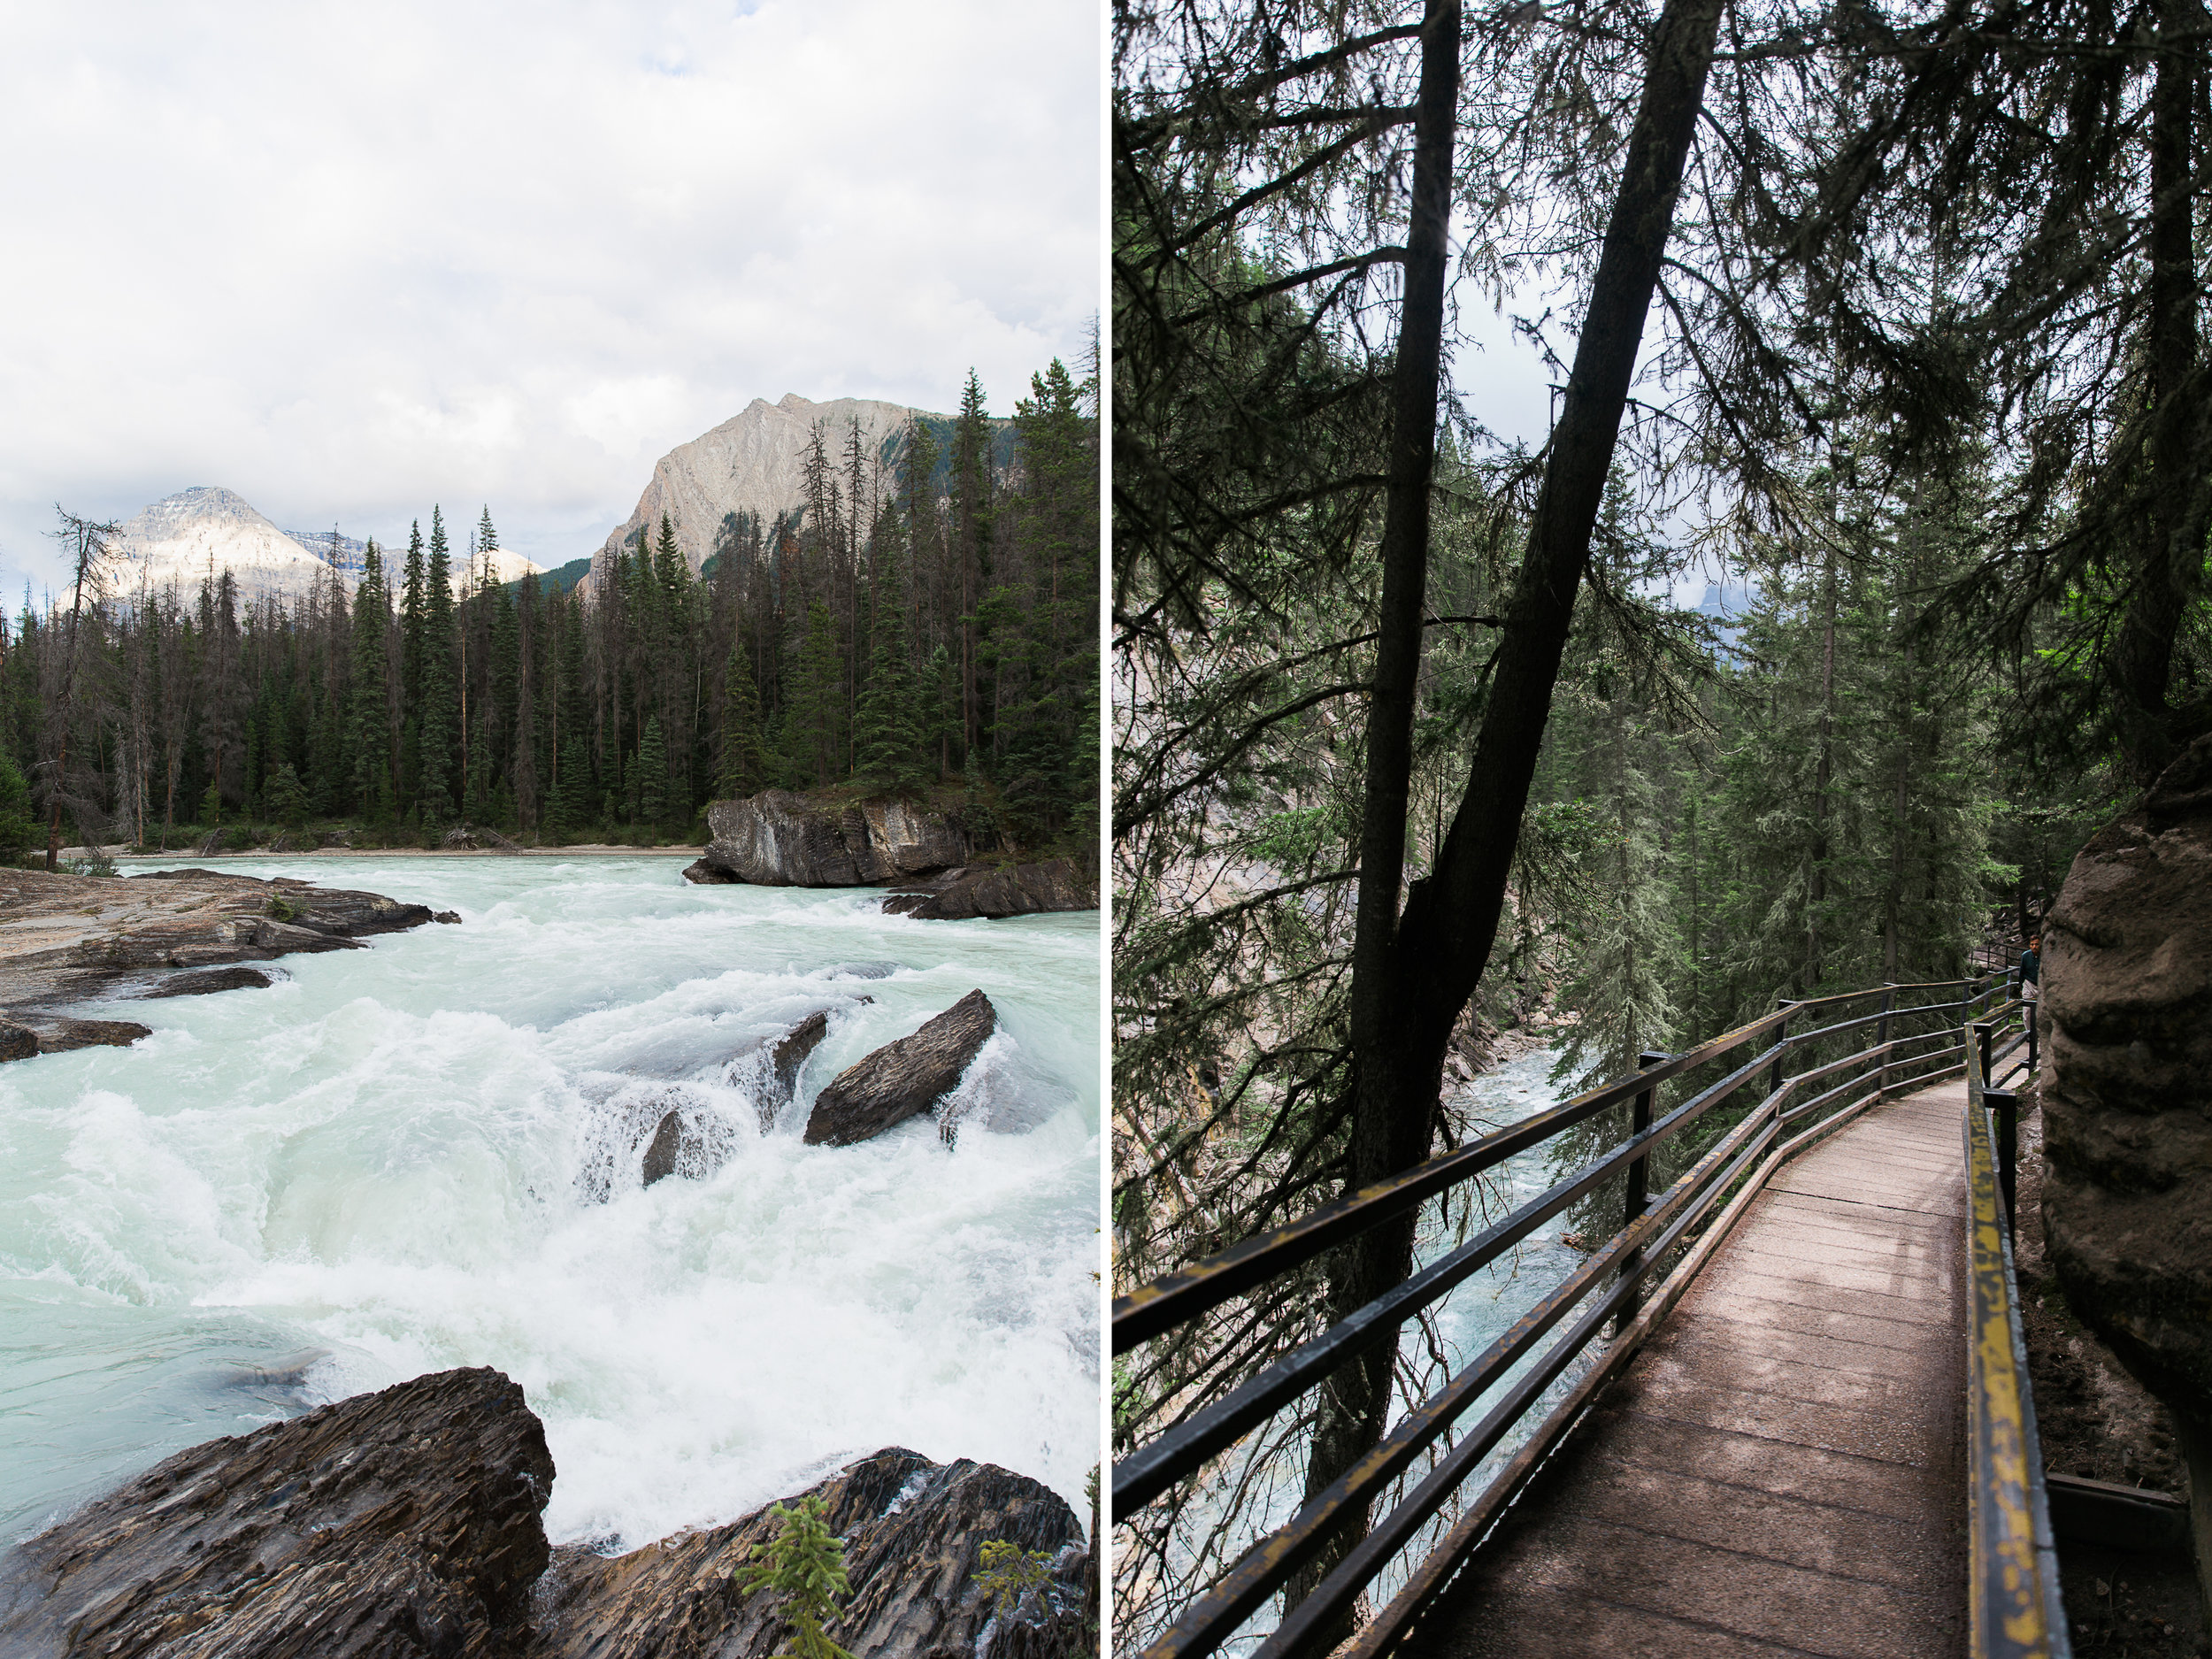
(793, 1048)
(58, 1035)
(212, 979)
(903, 1078)
(396, 1524)
(781, 839)
(666, 1152)
(2127, 1108)
(914, 1532)
(700, 874)
(1000, 890)
(66, 939)
(16, 1042)
(451, 918)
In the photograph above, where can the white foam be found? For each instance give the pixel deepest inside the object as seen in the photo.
(387, 1162)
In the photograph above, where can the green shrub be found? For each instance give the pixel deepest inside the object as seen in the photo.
(1009, 1572)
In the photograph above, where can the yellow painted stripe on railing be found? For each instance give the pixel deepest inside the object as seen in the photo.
(2007, 1615)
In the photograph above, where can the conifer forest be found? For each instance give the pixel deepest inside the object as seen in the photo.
(1860, 577)
(924, 624)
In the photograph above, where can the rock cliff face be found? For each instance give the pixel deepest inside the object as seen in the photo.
(780, 840)
(407, 1523)
(2127, 1197)
(753, 463)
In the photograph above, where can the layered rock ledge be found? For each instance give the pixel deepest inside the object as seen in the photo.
(170, 932)
(409, 1522)
(777, 839)
(992, 891)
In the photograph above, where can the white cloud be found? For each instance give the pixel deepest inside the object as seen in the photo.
(349, 261)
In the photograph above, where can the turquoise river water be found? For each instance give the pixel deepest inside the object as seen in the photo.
(425, 1153)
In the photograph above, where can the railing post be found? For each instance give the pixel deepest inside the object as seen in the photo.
(2004, 1107)
(1982, 1029)
(1781, 1031)
(1638, 1183)
(1881, 1036)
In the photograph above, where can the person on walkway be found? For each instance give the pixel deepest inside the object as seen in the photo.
(2031, 961)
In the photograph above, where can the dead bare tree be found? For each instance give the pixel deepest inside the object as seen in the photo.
(92, 557)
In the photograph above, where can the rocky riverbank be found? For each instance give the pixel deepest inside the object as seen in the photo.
(946, 867)
(409, 1522)
(66, 939)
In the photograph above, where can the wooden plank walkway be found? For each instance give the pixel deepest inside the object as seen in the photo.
(1782, 1470)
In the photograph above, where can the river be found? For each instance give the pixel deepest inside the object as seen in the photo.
(424, 1154)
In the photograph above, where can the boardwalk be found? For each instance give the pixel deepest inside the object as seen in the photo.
(1782, 1471)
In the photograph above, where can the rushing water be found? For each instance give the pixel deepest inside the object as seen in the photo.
(425, 1155)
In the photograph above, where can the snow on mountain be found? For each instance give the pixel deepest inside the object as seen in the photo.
(198, 534)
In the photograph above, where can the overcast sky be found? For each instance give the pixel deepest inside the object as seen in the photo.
(352, 260)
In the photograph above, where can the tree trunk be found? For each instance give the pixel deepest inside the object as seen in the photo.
(1391, 1138)
(1410, 982)
(2173, 558)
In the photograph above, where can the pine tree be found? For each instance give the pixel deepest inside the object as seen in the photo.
(886, 741)
(411, 670)
(743, 771)
(439, 719)
(652, 774)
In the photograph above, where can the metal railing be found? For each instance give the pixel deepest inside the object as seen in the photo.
(2014, 1610)
(1671, 1233)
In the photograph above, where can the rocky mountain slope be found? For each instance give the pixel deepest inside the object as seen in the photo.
(202, 532)
(753, 463)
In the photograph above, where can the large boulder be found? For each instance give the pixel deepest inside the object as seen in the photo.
(999, 890)
(777, 839)
(407, 1524)
(903, 1078)
(393, 1524)
(2127, 1111)
(914, 1532)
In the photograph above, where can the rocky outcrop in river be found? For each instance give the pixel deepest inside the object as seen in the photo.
(777, 839)
(399, 1523)
(65, 938)
(999, 890)
(408, 1523)
(902, 1078)
(2127, 1111)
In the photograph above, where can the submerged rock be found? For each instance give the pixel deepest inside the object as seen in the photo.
(393, 1524)
(666, 1151)
(16, 1042)
(999, 890)
(792, 1048)
(903, 1078)
(208, 979)
(781, 839)
(914, 1532)
(59, 1035)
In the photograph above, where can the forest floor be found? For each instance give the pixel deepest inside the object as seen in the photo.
(2096, 1421)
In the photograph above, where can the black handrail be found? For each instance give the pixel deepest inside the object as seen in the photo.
(1614, 1274)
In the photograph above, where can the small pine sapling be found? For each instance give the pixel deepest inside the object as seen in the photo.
(1009, 1572)
(805, 1566)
